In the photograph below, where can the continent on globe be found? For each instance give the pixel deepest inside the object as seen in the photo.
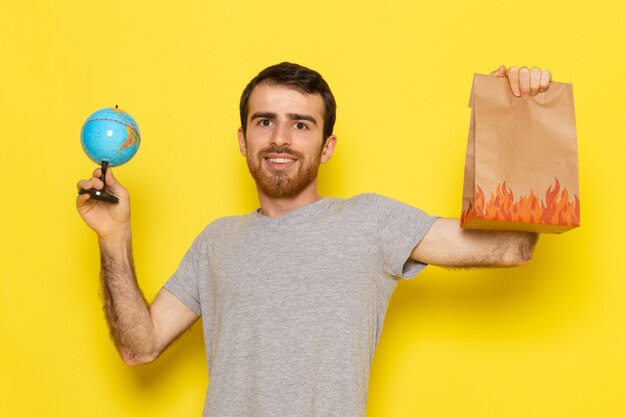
(131, 129)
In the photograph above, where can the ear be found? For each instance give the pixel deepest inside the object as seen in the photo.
(329, 149)
(242, 142)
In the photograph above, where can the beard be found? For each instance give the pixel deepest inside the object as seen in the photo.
(283, 184)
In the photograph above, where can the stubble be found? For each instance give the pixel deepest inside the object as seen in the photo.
(283, 184)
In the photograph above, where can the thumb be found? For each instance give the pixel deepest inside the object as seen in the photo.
(500, 72)
(114, 185)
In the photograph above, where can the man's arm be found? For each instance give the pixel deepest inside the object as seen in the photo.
(141, 332)
(446, 244)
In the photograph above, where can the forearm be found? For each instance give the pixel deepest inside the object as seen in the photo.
(483, 248)
(446, 244)
(125, 307)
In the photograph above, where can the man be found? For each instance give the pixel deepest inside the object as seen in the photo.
(293, 295)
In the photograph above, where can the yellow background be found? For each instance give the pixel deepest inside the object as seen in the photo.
(548, 339)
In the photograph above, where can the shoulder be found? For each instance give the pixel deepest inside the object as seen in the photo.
(373, 208)
(218, 230)
(385, 210)
(358, 203)
(367, 200)
(375, 202)
(223, 226)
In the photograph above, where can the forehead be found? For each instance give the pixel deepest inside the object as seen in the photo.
(281, 99)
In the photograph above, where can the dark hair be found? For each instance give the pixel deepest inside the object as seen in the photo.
(296, 76)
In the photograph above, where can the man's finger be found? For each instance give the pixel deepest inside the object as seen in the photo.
(92, 183)
(114, 186)
(524, 82)
(109, 174)
(82, 199)
(500, 72)
(513, 75)
(111, 178)
(544, 80)
(535, 76)
(82, 185)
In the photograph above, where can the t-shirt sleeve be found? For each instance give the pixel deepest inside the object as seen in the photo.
(400, 229)
(184, 284)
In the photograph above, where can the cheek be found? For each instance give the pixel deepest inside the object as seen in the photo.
(257, 139)
(250, 144)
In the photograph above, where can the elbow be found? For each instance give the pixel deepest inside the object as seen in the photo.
(521, 252)
(133, 359)
(513, 261)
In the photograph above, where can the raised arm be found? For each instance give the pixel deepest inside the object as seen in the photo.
(446, 244)
(141, 332)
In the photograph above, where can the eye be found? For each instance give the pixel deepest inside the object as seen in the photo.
(264, 122)
(301, 126)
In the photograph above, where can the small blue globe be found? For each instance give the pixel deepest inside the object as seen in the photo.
(110, 135)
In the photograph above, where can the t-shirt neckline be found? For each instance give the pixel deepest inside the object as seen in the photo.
(294, 215)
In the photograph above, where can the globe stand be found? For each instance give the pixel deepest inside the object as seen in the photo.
(101, 195)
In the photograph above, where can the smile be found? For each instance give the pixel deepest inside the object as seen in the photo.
(281, 160)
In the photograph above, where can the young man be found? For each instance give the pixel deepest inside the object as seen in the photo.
(293, 295)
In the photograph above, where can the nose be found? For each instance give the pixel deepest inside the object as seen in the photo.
(280, 135)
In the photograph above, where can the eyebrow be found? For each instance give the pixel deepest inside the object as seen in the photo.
(291, 116)
(296, 116)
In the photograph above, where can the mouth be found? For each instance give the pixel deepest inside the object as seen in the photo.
(280, 162)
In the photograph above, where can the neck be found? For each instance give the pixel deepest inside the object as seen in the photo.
(277, 207)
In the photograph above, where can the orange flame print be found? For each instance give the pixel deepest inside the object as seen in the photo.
(555, 209)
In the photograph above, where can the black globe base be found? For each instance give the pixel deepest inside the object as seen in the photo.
(100, 195)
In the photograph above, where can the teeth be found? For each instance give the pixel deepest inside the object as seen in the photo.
(281, 160)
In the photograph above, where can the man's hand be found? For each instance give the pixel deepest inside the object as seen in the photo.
(106, 219)
(524, 82)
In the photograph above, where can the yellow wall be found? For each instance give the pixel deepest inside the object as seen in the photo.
(548, 339)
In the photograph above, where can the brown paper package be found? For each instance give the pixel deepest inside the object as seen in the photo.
(521, 168)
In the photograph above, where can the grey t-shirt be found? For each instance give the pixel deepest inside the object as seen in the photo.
(293, 307)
